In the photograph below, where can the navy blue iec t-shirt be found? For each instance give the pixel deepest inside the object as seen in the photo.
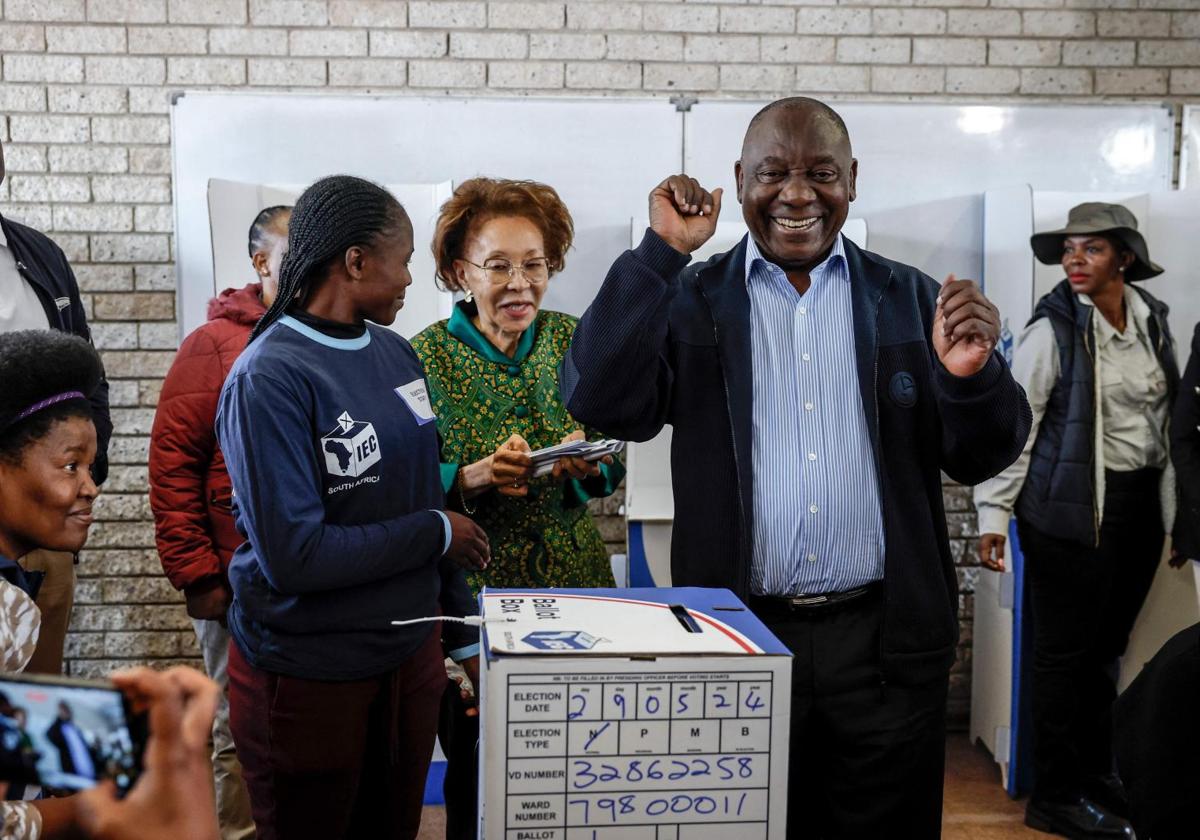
(333, 453)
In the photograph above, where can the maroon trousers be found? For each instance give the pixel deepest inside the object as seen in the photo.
(337, 759)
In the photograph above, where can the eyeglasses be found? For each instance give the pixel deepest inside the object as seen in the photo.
(535, 271)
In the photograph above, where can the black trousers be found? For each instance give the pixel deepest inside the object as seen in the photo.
(1084, 602)
(458, 734)
(866, 760)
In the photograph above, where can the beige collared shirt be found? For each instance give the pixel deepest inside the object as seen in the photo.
(20, 307)
(1131, 410)
(1133, 389)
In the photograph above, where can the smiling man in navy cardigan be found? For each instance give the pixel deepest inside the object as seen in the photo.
(817, 392)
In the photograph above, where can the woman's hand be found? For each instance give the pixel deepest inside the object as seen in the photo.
(468, 543)
(577, 468)
(991, 551)
(507, 470)
(512, 467)
(173, 796)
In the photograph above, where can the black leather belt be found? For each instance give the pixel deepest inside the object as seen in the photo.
(814, 604)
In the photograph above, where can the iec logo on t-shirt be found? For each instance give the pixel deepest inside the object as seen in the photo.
(350, 449)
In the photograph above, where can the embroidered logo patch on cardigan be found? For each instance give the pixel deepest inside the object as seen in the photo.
(903, 389)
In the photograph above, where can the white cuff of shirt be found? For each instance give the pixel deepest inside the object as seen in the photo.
(448, 529)
(993, 520)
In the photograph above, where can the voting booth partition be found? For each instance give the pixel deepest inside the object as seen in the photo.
(1014, 281)
(1189, 152)
(631, 714)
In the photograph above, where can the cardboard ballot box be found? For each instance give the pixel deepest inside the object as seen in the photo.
(631, 714)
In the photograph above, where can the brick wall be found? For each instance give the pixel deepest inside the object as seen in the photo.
(83, 114)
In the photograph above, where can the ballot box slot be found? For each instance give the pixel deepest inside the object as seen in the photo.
(685, 618)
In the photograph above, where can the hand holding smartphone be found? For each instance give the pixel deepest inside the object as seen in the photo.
(145, 735)
(68, 734)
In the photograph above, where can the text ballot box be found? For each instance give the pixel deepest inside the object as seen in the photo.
(631, 714)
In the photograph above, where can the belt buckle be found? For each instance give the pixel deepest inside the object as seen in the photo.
(808, 600)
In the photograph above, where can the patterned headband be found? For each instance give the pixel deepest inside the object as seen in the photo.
(43, 404)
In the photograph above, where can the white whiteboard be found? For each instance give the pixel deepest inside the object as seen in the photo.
(602, 155)
(923, 168)
(232, 206)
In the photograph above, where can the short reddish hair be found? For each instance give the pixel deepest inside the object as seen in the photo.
(481, 199)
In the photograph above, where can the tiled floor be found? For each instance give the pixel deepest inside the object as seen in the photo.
(976, 807)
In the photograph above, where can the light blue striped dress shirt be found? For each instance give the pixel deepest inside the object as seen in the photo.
(818, 525)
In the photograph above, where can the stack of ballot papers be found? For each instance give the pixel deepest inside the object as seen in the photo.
(545, 459)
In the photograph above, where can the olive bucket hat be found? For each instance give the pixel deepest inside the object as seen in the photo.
(1096, 217)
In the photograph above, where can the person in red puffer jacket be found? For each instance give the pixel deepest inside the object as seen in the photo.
(191, 494)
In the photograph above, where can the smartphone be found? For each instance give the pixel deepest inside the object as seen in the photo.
(67, 734)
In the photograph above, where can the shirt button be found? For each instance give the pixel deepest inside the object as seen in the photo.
(812, 508)
(812, 456)
(513, 370)
(808, 406)
(521, 411)
(805, 357)
(803, 310)
(812, 558)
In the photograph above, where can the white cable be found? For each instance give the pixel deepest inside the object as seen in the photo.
(470, 620)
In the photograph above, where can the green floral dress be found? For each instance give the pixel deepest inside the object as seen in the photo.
(482, 397)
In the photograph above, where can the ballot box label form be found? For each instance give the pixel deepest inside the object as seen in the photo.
(583, 746)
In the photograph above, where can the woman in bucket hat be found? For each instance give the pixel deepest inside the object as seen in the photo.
(1093, 494)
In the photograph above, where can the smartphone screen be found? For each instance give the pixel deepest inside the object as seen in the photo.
(67, 734)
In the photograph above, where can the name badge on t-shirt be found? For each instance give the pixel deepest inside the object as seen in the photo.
(416, 396)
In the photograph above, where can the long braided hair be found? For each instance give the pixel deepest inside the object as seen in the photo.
(332, 215)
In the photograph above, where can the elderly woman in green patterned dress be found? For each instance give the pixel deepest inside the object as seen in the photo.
(493, 380)
(492, 370)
